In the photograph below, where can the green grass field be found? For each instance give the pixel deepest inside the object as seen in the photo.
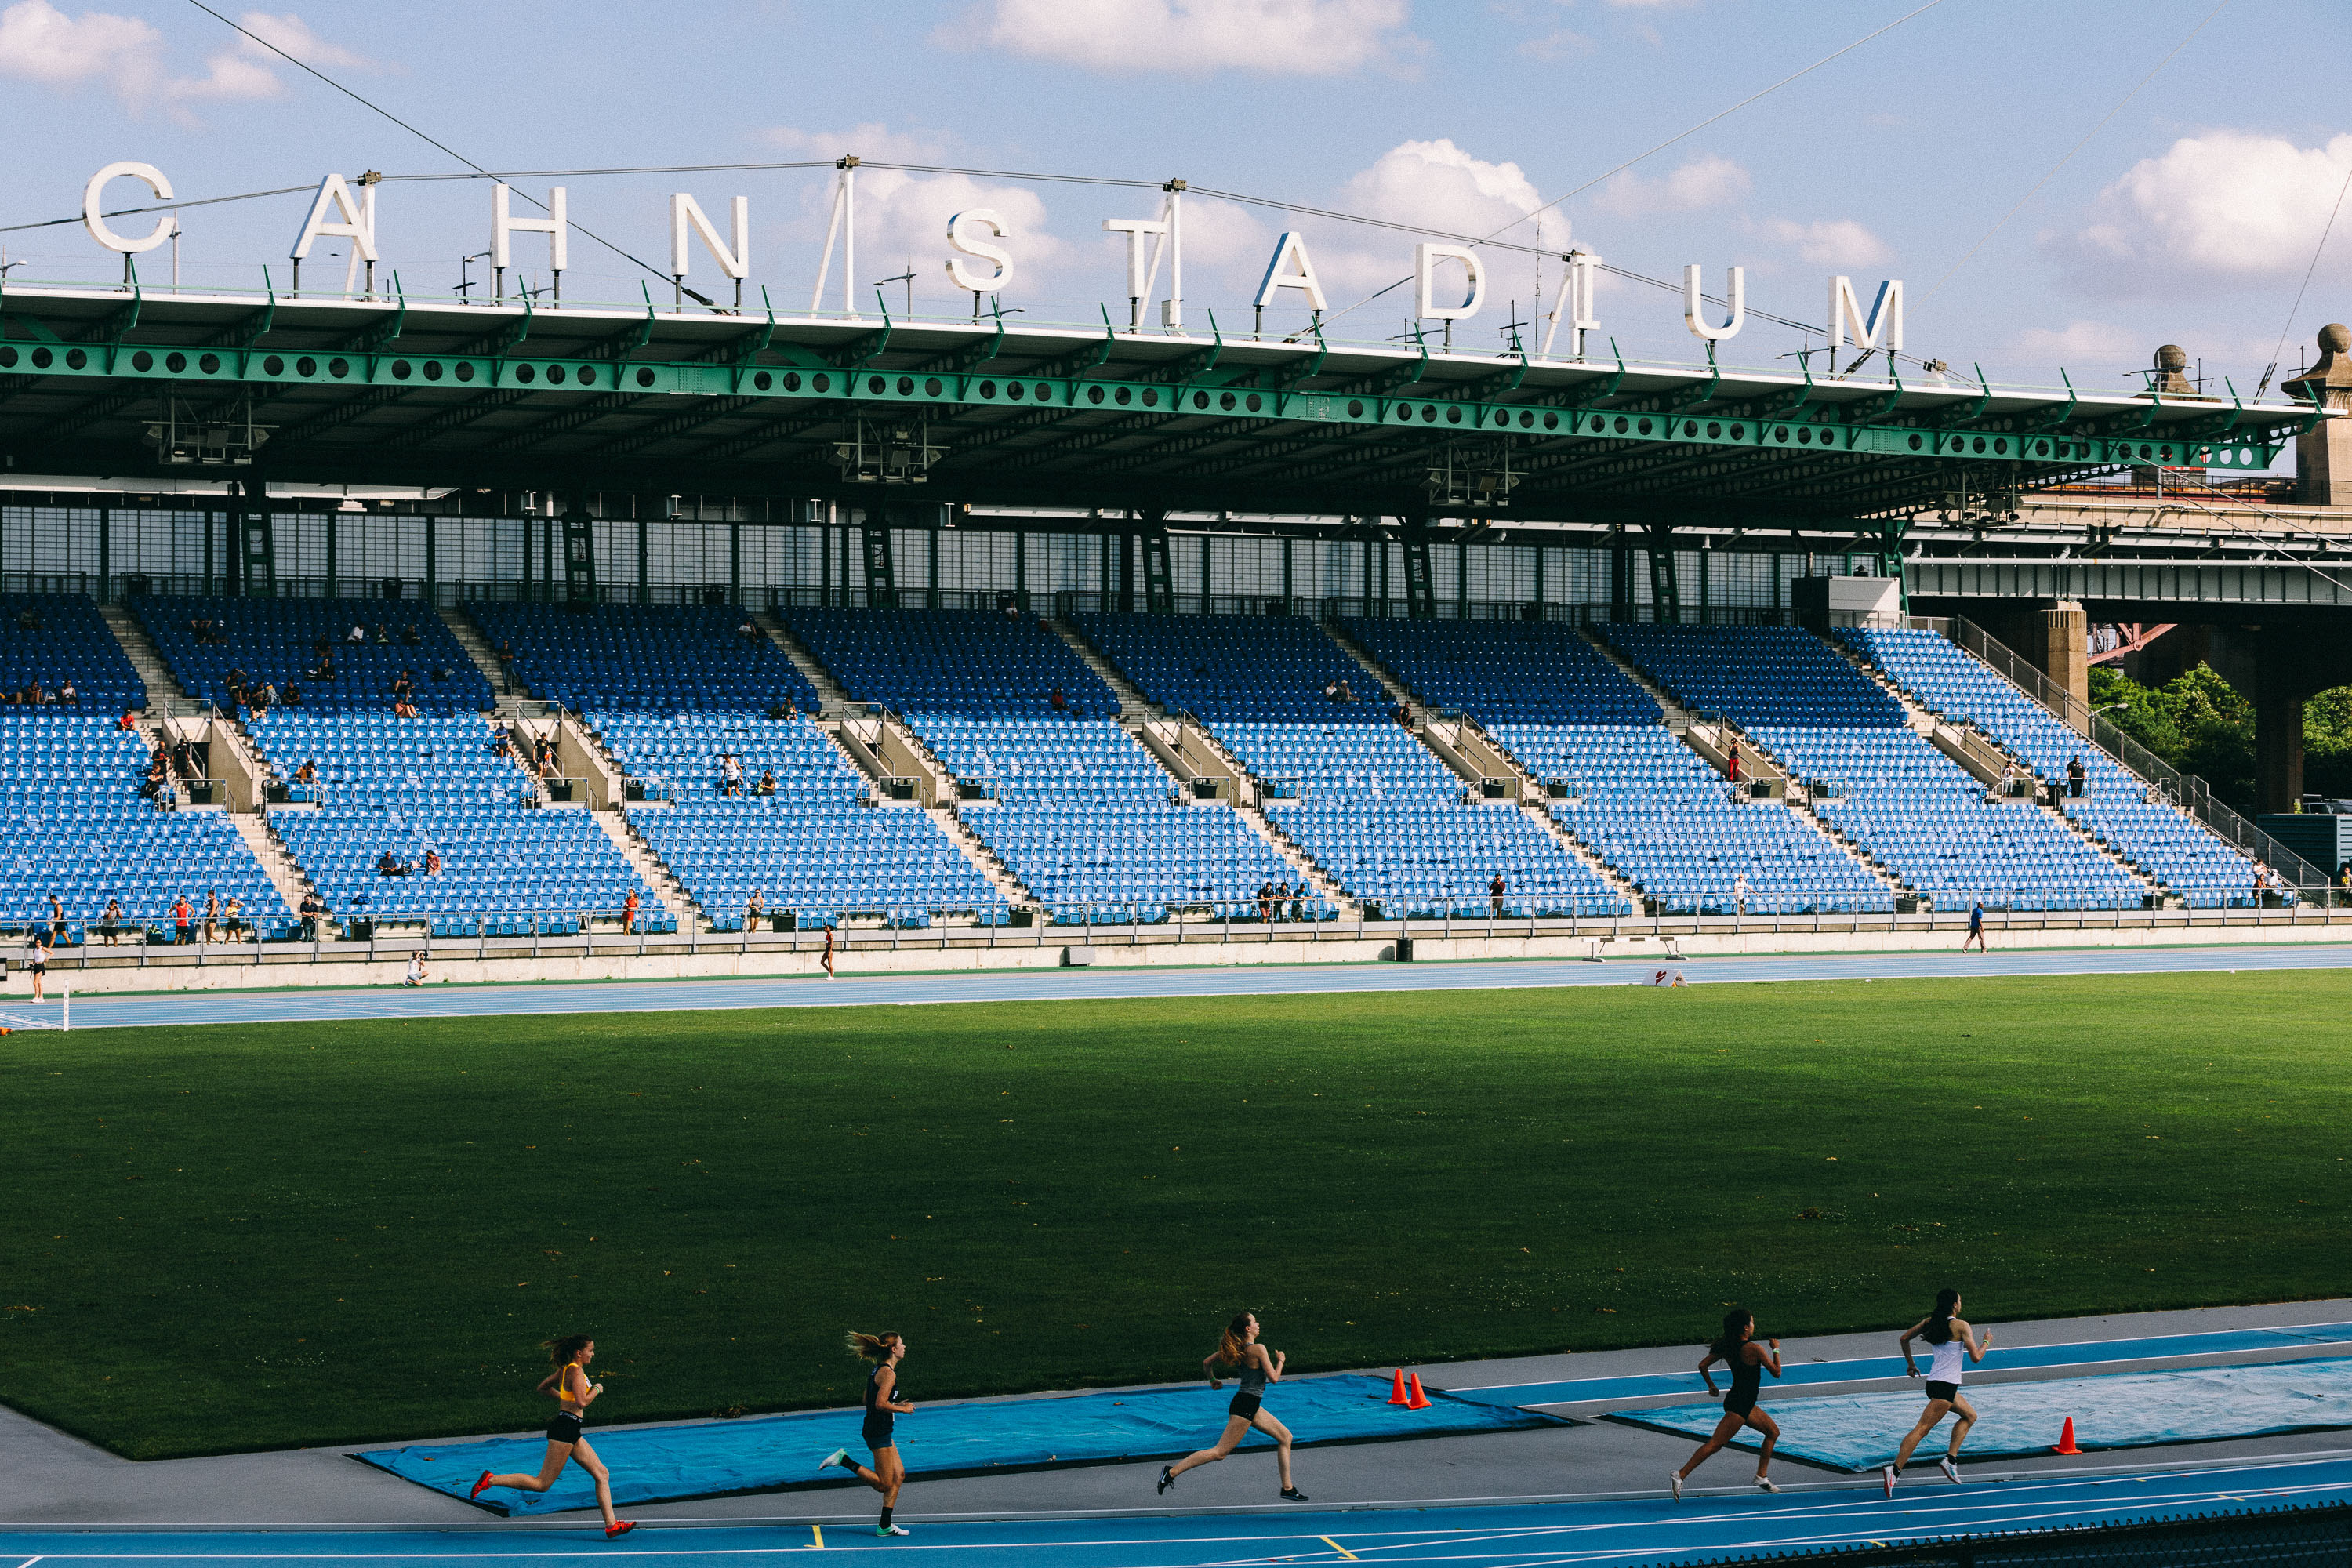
(222, 1239)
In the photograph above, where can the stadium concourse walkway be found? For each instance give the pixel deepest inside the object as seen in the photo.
(1580, 1491)
(302, 1004)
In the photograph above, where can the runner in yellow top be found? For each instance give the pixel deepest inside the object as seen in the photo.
(565, 1441)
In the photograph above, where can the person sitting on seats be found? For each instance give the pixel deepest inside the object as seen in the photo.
(129, 720)
(433, 862)
(67, 693)
(291, 697)
(767, 782)
(358, 634)
(314, 910)
(410, 637)
(308, 773)
(391, 865)
(402, 708)
(1057, 701)
(382, 637)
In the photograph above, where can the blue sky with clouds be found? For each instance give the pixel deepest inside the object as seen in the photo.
(2189, 217)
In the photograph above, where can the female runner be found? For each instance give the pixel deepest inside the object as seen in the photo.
(1944, 1329)
(1257, 1367)
(1749, 1361)
(565, 1442)
(884, 1405)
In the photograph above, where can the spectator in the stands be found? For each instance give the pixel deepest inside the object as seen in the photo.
(314, 910)
(1494, 890)
(382, 637)
(211, 915)
(129, 720)
(67, 693)
(1058, 700)
(433, 862)
(404, 685)
(183, 916)
(1265, 901)
(410, 637)
(2074, 772)
(391, 865)
(308, 773)
(506, 664)
(629, 911)
(57, 916)
(358, 634)
(730, 774)
(184, 757)
(292, 696)
(158, 776)
(753, 908)
(28, 620)
(403, 709)
(266, 698)
(767, 782)
(748, 629)
(1331, 690)
(1347, 692)
(233, 917)
(110, 921)
(167, 795)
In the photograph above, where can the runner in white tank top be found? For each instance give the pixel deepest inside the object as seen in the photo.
(1956, 1344)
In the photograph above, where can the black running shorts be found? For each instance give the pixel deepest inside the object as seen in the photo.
(1738, 1404)
(1245, 1405)
(1947, 1392)
(563, 1428)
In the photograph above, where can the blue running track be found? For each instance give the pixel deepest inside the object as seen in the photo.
(1618, 1531)
(320, 1004)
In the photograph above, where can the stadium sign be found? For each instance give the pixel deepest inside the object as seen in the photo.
(337, 212)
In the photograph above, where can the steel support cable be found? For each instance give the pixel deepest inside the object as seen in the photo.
(412, 130)
(2077, 147)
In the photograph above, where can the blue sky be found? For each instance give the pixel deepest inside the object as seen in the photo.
(2189, 217)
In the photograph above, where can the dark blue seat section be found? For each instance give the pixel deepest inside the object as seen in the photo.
(1235, 666)
(1647, 806)
(1374, 807)
(2116, 806)
(811, 849)
(50, 639)
(1079, 810)
(72, 823)
(1525, 672)
(431, 783)
(1875, 779)
(663, 658)
(972, 662)
(273, 641)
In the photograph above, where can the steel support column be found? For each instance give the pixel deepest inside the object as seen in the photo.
(256, 545)
(579, 554)
(1420, 587)
(1158, 581)
(881, 569)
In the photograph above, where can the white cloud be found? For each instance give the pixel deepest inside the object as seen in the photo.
(1432, 185)
(2080, 343)
(902, 220)
(1706, 180)
(1560, 43)
(2226, 206)
(1274, 37)
(40, 43)
(1829, 242)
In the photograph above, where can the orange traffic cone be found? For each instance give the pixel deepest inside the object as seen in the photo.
(2066, 1439)
(1396, 1393)
(1418, 1401)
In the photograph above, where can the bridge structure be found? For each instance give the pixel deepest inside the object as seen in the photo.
(2029, 510)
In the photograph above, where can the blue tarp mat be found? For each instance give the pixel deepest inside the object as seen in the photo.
(2007, 1358)
(709, 1458)
(1862, 1431)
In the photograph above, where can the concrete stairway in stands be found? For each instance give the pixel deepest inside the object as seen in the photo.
(830, 692)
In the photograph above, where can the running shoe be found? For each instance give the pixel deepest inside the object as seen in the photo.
(1764, 1484)
(619, 1527)
(479, 1487)
(1675, 1479)
(1292, 1494)
(892, 1530)
(1167, 1479)
(1886, 1478)
(1951, 1471)
(838, 1456)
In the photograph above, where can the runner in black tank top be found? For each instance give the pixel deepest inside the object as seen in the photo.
(1255, 1367)
(1748, 1362)
(884, 1404)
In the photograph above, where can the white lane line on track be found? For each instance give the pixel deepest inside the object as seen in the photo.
(2287, 1329)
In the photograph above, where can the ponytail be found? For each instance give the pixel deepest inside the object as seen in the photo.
(1734, 1321)
(565, 1351)
(870, 1347)
(1234, 1345)
(1938, 1328)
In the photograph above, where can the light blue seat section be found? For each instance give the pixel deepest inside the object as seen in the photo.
(1877, 782)
(1084, 816)
(273, 641)
(811, 849)
(1097, 829)
(663, 658)
(68, 640)
(2164, 842)
(414, 785)
(1660, 816)
(72, 823)
(1356, 792)
(973, 662)
(1500, 672)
